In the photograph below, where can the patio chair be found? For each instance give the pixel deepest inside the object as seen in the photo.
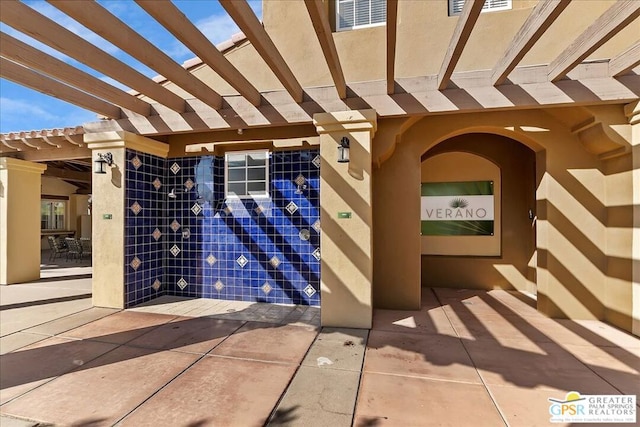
(75, 249)
(85, 243)
(57, 248)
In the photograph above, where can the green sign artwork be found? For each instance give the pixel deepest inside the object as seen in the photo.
(457, 208)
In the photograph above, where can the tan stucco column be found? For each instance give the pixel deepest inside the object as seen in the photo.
(108, 212)
(19, 220)
(632, 111)
(346, 217)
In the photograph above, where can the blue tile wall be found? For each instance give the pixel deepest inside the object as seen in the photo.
(144, 227)
(261, 250)
(245, 249)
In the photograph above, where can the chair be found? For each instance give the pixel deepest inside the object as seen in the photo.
(57, 248)
(85, 243)
(75, 249)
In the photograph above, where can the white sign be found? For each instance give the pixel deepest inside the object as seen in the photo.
(596, 408)
(457, 208)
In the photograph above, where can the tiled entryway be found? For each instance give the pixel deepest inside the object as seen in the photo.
(467, 358)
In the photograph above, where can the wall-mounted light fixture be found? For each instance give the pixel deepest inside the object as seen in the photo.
(100, 164)
(343, 150)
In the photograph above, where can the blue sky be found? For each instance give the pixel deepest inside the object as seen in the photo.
(25, 109)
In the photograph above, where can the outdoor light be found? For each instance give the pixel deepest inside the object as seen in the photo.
(100, 164)
(343, 150)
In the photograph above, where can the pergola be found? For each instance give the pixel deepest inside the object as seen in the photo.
(153, 110)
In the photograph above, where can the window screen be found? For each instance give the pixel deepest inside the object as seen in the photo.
(360, 13)
(247, 174)
(455, 6)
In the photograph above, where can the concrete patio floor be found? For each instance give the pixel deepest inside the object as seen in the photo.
(467, 358)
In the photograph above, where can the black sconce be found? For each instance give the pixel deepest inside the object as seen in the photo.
(343, 150)
(100, 164)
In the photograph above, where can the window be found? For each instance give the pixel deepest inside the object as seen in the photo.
(352, 14)
(52, 214)
(455, 6)
(247, 174)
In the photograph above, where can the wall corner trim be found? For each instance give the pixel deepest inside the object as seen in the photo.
(9, 163)
(123, 139)
(349, 121)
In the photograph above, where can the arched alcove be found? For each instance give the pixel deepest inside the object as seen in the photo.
(502, 258)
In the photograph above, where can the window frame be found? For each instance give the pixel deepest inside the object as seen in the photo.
(485, 8)
(355, 27)
(50, 214)
(247, 195)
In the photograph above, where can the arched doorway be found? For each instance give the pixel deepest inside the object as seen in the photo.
(495, 250)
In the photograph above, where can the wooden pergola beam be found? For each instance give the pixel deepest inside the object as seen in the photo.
(26, 77)
(614, 19)
(67, 174)
(241, 13)
(54, 154)
(625, 61)
(466, 21)
(96, 18)
(320, 22)
(26, 55)
(172, 18)
(528, 89)
(26, 20)
(392, 25)
(538, 21)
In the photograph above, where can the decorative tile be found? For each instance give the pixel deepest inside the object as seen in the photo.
(175, 168)
(291, 208)
(136, 162)
(156, 285)
(300, 180)
(156, 234)
(135, 263)
(266, 288)
(275, 261)
(175, 225)
(227, 210)
(157, 184)
(316, 254)
(136, 208)
(189, 184)
(218, 286)
(316, 161)
(211, 259)
(186, 233)
(196, 208)
(242, 261)
(182, 283)
(310, 290)
(258, 210)
(316, 226)
(175, 250)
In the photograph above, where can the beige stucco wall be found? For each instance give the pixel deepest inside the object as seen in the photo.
(347, 243)
(583, 260)
(108, 213)
(19, 220)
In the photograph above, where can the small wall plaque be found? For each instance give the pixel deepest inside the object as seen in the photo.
(344, 215)
(107, 216)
